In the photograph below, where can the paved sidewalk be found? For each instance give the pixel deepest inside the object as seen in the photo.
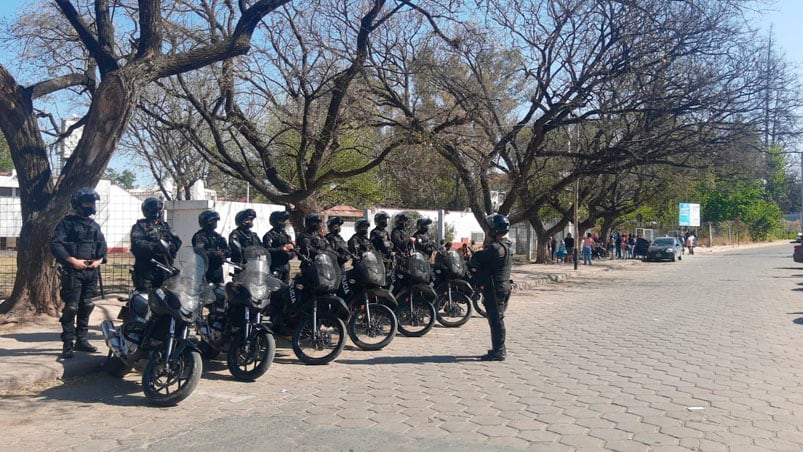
(29, 355)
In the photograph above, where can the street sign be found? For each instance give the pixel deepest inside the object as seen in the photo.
(689, 214)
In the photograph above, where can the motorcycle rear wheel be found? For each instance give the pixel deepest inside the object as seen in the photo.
(456, 313)
(167, 388)
(249, 360)
(321, 343)
(417, 321)
(377, 333)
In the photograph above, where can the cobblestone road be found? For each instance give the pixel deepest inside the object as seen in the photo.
(701, 354)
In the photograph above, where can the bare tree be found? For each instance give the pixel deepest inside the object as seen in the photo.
(683, 74)
(114, 69)
(293, 119)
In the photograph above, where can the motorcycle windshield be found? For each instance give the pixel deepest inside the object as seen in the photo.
(456, 262)
(191, 280)
(256, 275)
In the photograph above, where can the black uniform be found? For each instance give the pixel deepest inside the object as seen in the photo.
(493, 263)
(400, 239)
(81, 238)
(382, 243)
(424, 243)
(274, 240)
(214, 246)
(359, 244)
(311, 243)
(245, 238)
(340, 248)
(145, 245)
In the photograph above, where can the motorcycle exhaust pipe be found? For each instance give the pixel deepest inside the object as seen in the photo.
(110, 335)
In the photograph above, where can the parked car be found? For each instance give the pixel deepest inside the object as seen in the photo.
(662, 248)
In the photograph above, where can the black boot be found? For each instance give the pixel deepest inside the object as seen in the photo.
(82, 345)
(493, 356)
(66, 350)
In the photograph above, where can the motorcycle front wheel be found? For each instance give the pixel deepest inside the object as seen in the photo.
(417, 320)
(319, 343)
(250, 359)
(456, 312)
(167, 386)
(373, 332)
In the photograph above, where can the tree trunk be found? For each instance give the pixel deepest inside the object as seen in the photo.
(544, 240)
(36, 284)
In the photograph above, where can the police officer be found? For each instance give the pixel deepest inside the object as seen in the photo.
(242, 236)
(311, 241)
(279, 244)
(147, 236)
(399, 236)
(380, 238)
(212, 244)
(423, 241)
(337, 242)
(359, 242)
(493, 263)
(80, 247)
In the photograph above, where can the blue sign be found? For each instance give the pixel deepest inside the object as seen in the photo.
(689, 214)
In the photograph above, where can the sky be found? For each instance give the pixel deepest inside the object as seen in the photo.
(783, 16)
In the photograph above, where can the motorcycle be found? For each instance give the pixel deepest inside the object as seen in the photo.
(372, 324)
(453, 304)
(156, 329)
(310, 307)
(235, 323)
(416, 312)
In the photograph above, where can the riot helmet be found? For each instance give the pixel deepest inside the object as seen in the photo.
(83, 201)
(277, 219)
(312, 222)
(245, 218)
(333, 224)
(401, 220)
(381, 219)
(208, 219)
(498, 224)
(423, 224)
(361, 227)
(152, 208)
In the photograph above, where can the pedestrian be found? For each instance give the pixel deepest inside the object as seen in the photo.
(553, 247)
(623, 247)
(493, 263)
(79, 247)
(212, 245)
(569, 242)
(279, 245)
(561, 255)
(152, 239)
(618, 245)
(690, 243)
(588, 245)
